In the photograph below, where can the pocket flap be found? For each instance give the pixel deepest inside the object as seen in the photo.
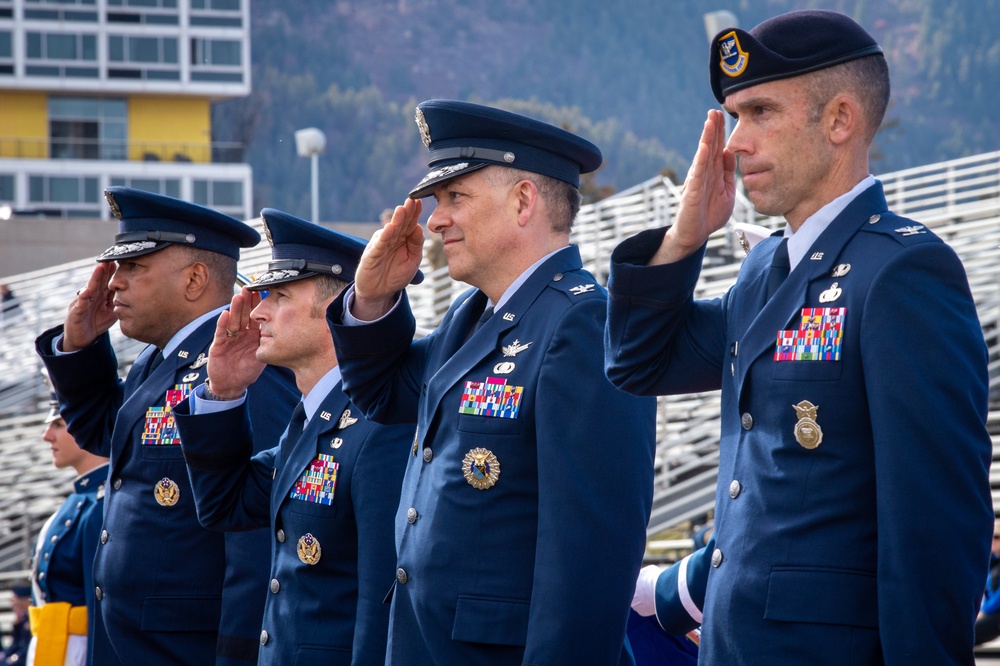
(491, 620)
(823, 596)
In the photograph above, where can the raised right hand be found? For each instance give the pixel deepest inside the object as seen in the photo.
(91, 313)
(389, 262)
(232, 358)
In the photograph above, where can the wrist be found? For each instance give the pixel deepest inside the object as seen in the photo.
(221, 396)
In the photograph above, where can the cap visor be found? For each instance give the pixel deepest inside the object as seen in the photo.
(442, 174)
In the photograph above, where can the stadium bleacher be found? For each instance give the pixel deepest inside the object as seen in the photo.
(959, 199)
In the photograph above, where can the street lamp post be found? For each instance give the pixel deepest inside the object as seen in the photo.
(311, 142)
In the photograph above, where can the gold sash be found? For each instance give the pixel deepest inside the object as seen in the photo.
(52, 625)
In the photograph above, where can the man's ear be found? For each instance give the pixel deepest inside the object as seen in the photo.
(525, 195)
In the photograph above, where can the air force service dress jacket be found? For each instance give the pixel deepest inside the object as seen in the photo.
(831, 472)
(528, 472)
(329, 501)
(63, 564)
(168, 590)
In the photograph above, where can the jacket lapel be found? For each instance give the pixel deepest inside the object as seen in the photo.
(309, 445)
(787, 303)
(484, 341)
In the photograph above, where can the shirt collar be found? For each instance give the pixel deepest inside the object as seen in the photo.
(522, 278)
(312, 400)
(800, 241)
(188, 329)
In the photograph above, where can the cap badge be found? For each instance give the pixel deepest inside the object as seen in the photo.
(267, 232)
(167, 493)
(807, 431)
(115, 210)
(309, 549)
(425, 131)
(481, 468)
(733, 58)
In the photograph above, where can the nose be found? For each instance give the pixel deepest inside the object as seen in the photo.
(738, 143)
(117, 281)
(438, 220)
(262, 311)
(49, 434)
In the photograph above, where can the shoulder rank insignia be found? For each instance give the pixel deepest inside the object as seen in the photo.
(582, 289)
(514, 348)
(912, 230)
(481, 468)
(346, 419)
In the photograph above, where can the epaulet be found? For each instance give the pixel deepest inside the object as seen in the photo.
(577, 285)
(904, 230)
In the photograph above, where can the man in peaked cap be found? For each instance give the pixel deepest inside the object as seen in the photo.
(168, 590)
(329, 489)
(845, 434)
(63, 563)
(527, 469)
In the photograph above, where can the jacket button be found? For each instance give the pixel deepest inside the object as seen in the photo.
(68, 523)
(281, 536)
(734, 489)
(98, 594)
(746, 421)
(401, 576)
(411, 515)
(263, 637)
(54, 538)
(428, 454)
(104, 536)
(117, 484)
(275, 586)
(717, 558)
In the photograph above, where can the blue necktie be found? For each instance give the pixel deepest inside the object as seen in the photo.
(294, 431)
(779, 268)
(151, 364)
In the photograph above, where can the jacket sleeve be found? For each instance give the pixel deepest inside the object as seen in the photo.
(932, 453)
(231, 486)
(381, 364)
(680, 591)
(658, 340)
(90, 391)
(594, 487)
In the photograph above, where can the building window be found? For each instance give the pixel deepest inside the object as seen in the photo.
(216, 60)
(61, 10)
(168, 186)
(70, 195)
(87, 128)
(6, 53)
(143, 58)
(144, 4)
(61, 46)
(6, 187)
(219, 193)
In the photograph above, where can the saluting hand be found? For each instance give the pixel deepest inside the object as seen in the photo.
(708, 197)
(389, 262)
(232, 358)
(92, 312)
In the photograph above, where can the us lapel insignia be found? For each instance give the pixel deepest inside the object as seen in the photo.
(182, 354)
(807, 432)
(309, 549)
(508, 316)
(816, 256)
(481, 468)
(582, 289)
(198, 362)
(346, 419)
(190, 377)
(326, 416)
(831, 294)
(514, 348)
(841, 270)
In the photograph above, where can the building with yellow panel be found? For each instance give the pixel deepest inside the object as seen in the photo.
(96, 93)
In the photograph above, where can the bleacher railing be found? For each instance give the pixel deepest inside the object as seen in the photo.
(959, 199)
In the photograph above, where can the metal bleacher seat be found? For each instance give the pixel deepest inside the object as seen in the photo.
(959, 199)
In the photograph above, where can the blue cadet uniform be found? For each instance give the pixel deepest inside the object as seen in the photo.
(168, 590)
(62, 574)
(328, 494)
(853, 418)
(20, 634)
(528, 468)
